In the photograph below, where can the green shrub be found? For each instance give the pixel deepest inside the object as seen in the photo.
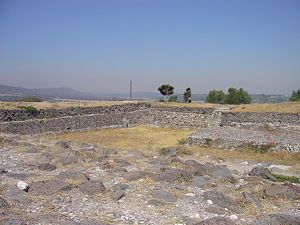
(30, 109)
(215, 96)
(183, 141)
(30, 99)
(295, 96)
(283, 178)
(208, 142)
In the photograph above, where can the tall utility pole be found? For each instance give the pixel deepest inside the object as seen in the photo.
(130, 87)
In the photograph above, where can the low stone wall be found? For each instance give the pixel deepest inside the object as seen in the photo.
(153, 117)
(22, 114)
(229, 118)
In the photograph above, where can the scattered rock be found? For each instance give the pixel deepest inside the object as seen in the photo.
(23, 186)
(47, 187)
(251, 199)
(291, 192)
(216, 220)
(277, 219)
(120, 186)
(135, 175)
(222, 172)
(17, 196)
(3, 171)
(170, 152)
(163, 195)
(261, 172)
(87, 147)
(221, 200)
(196, 168)
(19, 176)
(46, 167)
(200, 181)
(67, 158)
(3, 203)
(173, 175)
(92, 187)
(64, 144)
(116, 195)
(77, 174)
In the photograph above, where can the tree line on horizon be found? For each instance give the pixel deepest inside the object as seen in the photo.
(233, 96)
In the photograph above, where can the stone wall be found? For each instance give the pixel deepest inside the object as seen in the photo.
(57, 120)
(112, 116)
(280, 121)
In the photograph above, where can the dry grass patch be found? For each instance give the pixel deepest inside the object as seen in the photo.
(145, 139)
(59, 104)
(189, 105)
(287, 107)
(151, 140)
(283, 157)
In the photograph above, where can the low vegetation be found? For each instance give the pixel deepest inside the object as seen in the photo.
(233, 96)
(30, 99)
(283, 178)
(150, 140)
(295, 96)
(288, 107)
(29, 109)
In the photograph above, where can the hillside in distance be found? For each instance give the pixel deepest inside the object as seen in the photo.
(11, 93)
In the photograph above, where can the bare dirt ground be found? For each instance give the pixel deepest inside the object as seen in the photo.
(143, 175)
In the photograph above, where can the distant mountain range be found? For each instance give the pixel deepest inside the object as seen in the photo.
(10, 93)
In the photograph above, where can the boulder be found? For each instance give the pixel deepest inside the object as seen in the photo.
(262, 172)
(221, 171)
(288, 191)
(221, 200)
(164, 195)
(216, 220)
(92, 187)
(277, 219)
(135, 175)
(70, 157)
(46, 167)
(3, 203)
(47, 187)
(23, 186)
(116, 195)
(63, 144)
(77, 174)
(173, 175)
(200, 181)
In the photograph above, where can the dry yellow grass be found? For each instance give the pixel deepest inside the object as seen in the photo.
(288, 107)
(137, 138)
(59, 104)
(149, 140)
(190, 105)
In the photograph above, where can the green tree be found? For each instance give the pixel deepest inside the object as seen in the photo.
(295, 96)
(215, 96)
(235, 96)
(166, 89)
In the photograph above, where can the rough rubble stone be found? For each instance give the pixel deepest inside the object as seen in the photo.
(277, 219)
(261, 172)
(289, 191)
(164, 195)
(116, 195)
(221, 200)
(135, 175)
(200, 181)
(216, 221)
(46, 167)
(4, 203)
(47, 187)
(92, 187)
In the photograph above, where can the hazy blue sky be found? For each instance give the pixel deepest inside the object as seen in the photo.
(99, 45)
